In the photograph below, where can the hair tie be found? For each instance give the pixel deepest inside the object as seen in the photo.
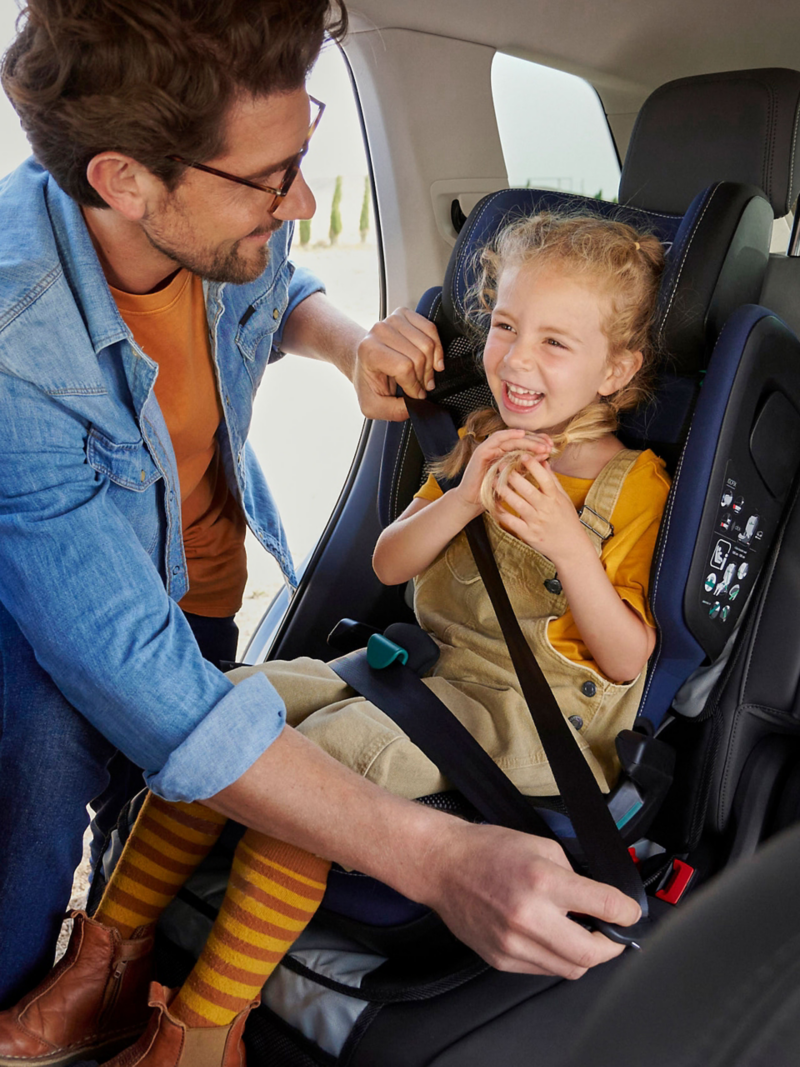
(638, 246)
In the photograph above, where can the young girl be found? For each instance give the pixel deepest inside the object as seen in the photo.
(572, 517)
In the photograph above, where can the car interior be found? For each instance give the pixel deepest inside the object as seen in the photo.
(703, 104)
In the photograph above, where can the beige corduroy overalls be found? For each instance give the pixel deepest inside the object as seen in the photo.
(474, 676)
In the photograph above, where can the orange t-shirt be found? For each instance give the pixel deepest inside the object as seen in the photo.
(170, 326)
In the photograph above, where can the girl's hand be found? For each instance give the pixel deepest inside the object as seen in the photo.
(545, 518)
(468, 491)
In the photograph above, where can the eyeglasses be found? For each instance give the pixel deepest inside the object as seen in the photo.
(292, 170)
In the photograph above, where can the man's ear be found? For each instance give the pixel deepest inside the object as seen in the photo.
(124, 184)
(620, 372)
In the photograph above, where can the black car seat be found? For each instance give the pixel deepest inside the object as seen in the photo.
(718, 259)
(719, 986)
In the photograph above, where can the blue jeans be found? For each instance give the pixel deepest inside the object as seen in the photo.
(53, 763)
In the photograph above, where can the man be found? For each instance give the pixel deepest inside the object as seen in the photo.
(168, 144)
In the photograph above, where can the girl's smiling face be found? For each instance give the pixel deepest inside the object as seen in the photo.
(547, 356)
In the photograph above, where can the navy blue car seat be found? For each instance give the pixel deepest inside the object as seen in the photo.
(730, 411)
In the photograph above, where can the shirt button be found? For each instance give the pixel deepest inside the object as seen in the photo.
(227, 400)
(276, 314)
(576, 721)
(553, 585)
(588, 689)
(176, 570)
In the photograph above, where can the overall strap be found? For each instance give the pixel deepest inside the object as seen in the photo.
(595, 515)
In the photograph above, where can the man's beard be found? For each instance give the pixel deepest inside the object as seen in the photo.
(216, 265)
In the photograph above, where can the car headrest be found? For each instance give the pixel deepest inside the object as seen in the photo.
(736, 126)
(716, 257)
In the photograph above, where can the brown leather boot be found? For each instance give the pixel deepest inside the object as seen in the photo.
(92, 1003)
(168, 1042)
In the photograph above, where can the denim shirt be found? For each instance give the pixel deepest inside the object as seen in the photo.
(92, 564)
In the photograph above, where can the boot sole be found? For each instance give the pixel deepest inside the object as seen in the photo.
(105, 1050)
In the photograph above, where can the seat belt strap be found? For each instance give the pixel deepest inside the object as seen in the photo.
(607, 856)
(403, 696)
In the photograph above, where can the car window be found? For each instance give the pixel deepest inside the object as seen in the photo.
(553, 129)
(306, 422)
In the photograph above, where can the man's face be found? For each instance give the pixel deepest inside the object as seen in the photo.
(219, 229)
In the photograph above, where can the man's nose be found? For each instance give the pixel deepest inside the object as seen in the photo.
(299, 202)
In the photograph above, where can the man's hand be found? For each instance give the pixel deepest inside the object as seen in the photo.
(405, 349)
(508, 896)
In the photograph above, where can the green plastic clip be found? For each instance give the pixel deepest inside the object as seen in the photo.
(381, 652)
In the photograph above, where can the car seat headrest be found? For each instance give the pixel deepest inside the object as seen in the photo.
(716, 257)
(736, 126)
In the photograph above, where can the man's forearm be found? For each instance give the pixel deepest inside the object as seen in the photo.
(318, 330)
(298, 793)
(508, 895)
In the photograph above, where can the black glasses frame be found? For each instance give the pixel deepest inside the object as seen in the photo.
(292, 170)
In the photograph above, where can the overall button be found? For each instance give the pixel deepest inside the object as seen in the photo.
(552, 585)
(588, 689)
(276, 314)
(576, 721)
(176, 570)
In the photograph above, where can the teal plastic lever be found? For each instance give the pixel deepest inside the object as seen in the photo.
(381, 652)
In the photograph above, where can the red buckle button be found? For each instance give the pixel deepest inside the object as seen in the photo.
(679, 878)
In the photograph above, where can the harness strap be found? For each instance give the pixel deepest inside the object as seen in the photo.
(607, 857)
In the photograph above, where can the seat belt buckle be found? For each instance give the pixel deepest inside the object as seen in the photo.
(382, 652)
(677, 882)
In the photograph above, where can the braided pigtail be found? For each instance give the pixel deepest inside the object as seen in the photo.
(595, 421)
(478, 426)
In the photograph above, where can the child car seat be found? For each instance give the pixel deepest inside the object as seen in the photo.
(719, 250)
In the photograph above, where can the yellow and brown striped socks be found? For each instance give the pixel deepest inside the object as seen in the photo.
(166, 844)
(273, 892)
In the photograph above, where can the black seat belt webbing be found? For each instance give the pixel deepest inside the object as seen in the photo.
(430, 724)
(607, 856)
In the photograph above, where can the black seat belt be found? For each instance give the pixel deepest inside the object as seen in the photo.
(399, 692)
(607, 857)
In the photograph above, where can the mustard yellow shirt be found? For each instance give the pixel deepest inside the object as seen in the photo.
(626, 557)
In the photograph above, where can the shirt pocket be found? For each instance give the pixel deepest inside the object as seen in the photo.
(129, 465)
(132, 476)
(258, 325)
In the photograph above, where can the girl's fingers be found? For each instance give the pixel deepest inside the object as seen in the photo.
(541, 472)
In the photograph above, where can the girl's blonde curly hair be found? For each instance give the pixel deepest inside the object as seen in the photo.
(625, 263)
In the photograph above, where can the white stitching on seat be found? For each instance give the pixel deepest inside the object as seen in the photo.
(694, 229)
(791, 160)
(663, 535)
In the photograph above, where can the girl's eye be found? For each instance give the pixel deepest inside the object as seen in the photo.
(555, 344)
(502, 326)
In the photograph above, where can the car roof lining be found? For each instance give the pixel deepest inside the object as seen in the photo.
(622, 48)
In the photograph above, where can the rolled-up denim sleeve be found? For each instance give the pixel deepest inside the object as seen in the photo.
(87, 597)
(303, 283)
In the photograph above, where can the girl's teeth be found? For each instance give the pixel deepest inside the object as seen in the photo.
(527, 397)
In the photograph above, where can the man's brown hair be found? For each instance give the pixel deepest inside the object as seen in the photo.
(152, 78)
